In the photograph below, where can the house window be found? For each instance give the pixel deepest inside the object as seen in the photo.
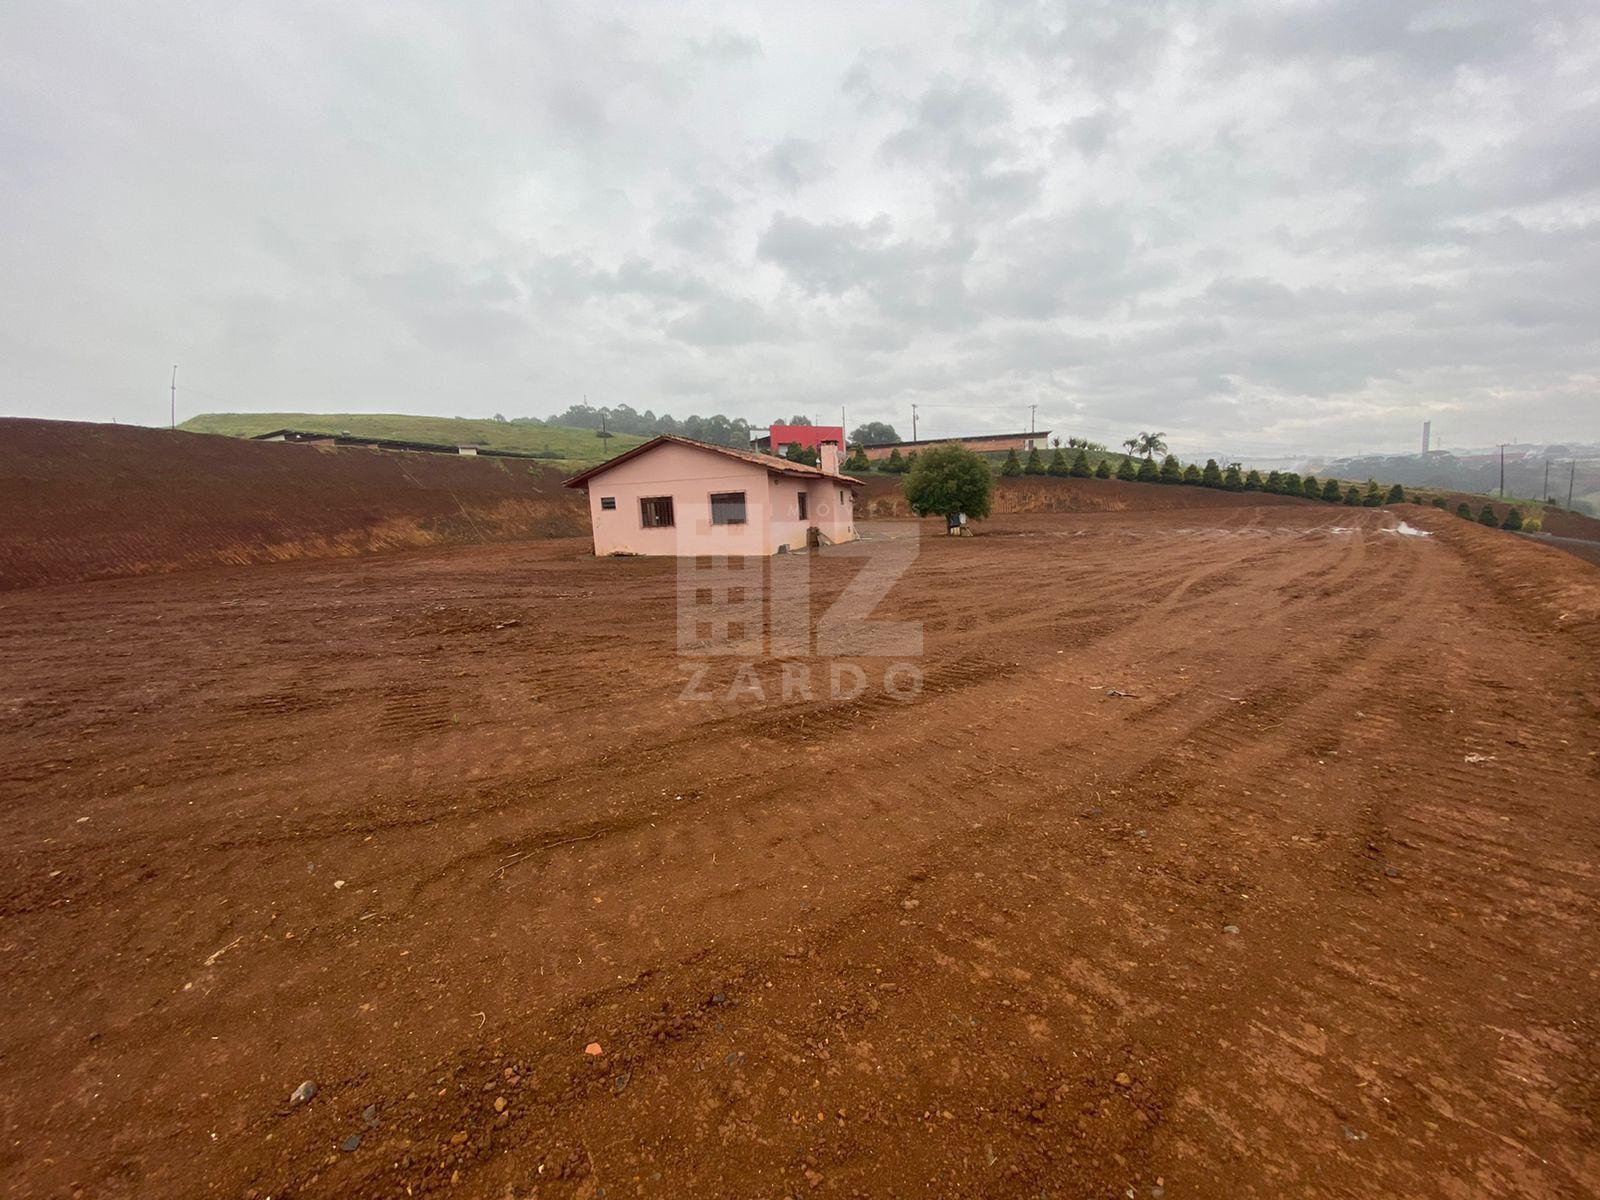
(841, 497)
(655, 512)
(609, 503)
(727, 508)
(803, 499)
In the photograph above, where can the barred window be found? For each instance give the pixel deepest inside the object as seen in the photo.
(803, 499)
(727, 508)
(655, 511)
(608, 502)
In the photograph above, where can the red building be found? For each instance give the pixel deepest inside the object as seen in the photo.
(808, 437)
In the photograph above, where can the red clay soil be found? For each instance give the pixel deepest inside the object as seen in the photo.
(882, 496)
(1223, 852)
(81, 501)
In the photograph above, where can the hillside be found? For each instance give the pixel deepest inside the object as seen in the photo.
(560, 442)
(83, 501)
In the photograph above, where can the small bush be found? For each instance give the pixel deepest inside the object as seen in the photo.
(1274, 483)
(1058, 463)
(1191, 475)
(1331, 492)
(1441, 502)
(1148, 472)
(1080, 466)
(1352, 498)
(1397, 495)
(1373, 497)
(1487, 517)
(1126, 470)
(1463, 511)
(1102, 469)
(1035, 465)
(1532, 525)
(1171, 470)
(1211, 475)
(1012, 467)
(950, 479)
(1252, 481)
(1513, 519)
(1309, 488)
(1232, 479)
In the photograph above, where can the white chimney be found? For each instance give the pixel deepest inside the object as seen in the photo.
(830, 458)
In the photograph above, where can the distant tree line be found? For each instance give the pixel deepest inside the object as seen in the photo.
(623, 418)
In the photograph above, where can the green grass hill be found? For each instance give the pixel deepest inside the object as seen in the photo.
(572, 445)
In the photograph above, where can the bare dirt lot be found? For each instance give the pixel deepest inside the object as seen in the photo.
(1234, 851)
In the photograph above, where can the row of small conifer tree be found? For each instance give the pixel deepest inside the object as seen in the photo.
(1231, 478)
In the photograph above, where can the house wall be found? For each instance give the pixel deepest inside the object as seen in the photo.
(832, 509)
(689, 476)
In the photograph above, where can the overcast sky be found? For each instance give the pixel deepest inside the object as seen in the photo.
(1260, 226)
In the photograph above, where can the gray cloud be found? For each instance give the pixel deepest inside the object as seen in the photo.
(1247, 224)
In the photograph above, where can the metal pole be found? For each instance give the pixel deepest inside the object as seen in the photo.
(1572, 475)
(1502, 470)
(174, 395)
(1547, 479)
(913, 424)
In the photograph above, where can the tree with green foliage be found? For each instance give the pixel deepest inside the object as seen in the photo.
(874, 433)
(1148, 471)
(894, 464)
(1397, 495)
(1148, 444)
(1102, 469)
(1126, 471)
(950, 479)
(1233, 478)
(1488, 517)
(1331, 492)
(1274, 483)
(1352, 498)
(1373, 496)
(1035, 464)
(1058, 463)
(1307, 487)
(1441, 502)
(1513, 519)
(799, 454)
(1171, 469)
(1191, 475)
(1080, 465)
(858, 460)
(1252, 481)
(1211, 474)
(1012, 467)
(1463, 511)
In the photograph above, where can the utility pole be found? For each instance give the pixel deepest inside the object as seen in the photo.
(913, 424)
(1502, 470)
(174, 395)
(1546, 479)
(1571, 476)
(1032, 409)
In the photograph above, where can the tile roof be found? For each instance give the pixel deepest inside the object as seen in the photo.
(773, 463)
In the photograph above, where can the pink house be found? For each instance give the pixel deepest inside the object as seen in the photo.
(675, 496)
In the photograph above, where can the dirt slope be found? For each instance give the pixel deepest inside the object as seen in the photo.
(1309, 908)
(83, 501)
(1043, 494)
